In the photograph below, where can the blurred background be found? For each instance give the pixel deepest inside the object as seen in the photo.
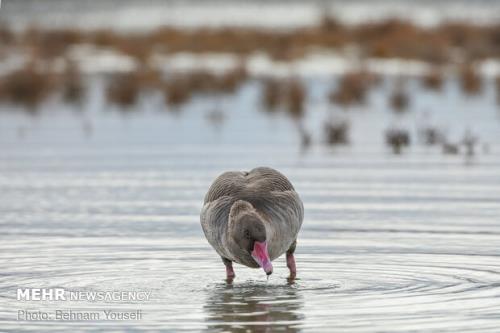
(115, 116)
(403, 74)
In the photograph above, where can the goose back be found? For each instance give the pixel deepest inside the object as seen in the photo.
(272, 196)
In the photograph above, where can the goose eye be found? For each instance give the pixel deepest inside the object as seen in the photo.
(247, 234)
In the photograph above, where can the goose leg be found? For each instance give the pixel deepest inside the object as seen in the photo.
(290, 260)
(229, 269)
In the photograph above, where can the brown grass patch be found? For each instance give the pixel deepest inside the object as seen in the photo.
(271, 93)
(177, 92)
(27, 86)
(7, 37)
(433, 80)
(470, 80)
(72, 85)
(352, 88)
(231, 80)
(123, 89)
(289, 93)
(48, 44)
(386, 39)
(203, 81)
(398, 39)
(295, 96)
(182, 86)
(399, 100)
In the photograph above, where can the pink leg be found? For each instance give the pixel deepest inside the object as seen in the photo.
(230, 272)
(229, 269)
(290, 263)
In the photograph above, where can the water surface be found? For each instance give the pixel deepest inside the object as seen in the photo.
(389, 243)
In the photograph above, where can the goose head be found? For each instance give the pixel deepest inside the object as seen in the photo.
(249, 233)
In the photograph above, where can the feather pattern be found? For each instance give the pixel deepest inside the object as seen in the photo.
(264, 191)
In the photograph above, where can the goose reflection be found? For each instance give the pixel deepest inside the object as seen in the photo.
(255, 307)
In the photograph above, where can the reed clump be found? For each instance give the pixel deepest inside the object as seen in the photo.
(450, 148)
(49, 44)
(138, 47)
(176, 92)
(271, 93)
(295, 96)
(450, 42)
(123, 89)
(394, 38)
(104, 38)
(7, 37)
(432, 136)
(397, 138)
(72, 85)
(330, 23)
(470, 80)
(385, 39)
(337, 133)
(182, 86)
(399, 100)
(289, 94)
(231, 80)
(433, 80)
(353, 88)
(26, 86)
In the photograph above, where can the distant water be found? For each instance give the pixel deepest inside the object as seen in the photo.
(97, 200)
(138, 15)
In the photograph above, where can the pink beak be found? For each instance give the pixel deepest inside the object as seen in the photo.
(260, 255)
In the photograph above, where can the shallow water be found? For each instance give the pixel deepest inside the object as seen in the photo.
(389, 243)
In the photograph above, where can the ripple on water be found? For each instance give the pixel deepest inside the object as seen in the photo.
(369, 259)
(350, 291)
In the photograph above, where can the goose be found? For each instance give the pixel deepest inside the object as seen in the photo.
(252, 218)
